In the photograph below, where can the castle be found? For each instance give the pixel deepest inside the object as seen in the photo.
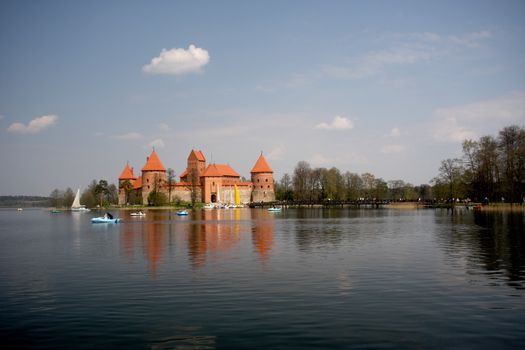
(212, 183)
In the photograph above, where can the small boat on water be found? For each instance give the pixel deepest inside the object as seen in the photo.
(209, 206)
(275, 209)
(19, 209)
(55, 211)
(182, 213)
(105, 220)
(76, 206)
(140, 213)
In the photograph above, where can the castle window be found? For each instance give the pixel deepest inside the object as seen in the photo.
(266, 180)
(147, 180)
(148, 187)
(268, 186)
(261, 186)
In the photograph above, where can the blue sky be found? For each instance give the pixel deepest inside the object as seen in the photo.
(386, 87)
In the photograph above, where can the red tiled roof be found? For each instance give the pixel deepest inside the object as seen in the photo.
(218, 170)
(137, 183)
(197, 154)
(127, 174)
(153, 163)
(261, 166)
(184, 173)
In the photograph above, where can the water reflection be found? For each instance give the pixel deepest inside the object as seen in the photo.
(492, 244)
(262, 233)
(206, 234)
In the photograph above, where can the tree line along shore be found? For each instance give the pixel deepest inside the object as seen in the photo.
(491, 172)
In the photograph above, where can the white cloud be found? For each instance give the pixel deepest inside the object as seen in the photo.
(392, 149)
(449, 130)
(129, 136)
(339, 123)
(157, 143)
(36, 125)
(395, 132)
(2, 116)
(405, 49)
(178, 61)
(467, 121)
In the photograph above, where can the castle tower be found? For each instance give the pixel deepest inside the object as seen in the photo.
(125, 184)
(153, 176)
(262, 179)
(196, 165)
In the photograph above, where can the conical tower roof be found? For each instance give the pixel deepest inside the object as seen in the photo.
(261, 166)
(153, 163)
(127, 174)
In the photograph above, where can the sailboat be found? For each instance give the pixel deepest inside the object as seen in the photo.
(76, 206)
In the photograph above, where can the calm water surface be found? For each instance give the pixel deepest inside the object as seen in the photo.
(239, 279)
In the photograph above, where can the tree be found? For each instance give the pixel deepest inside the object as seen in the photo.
(69, 197)
(56, 198)
(353, 186)
(301, 179)
(380, 189)
(112, 195)
(368, 181)
(156, 198)
(127, 187)
(396, 188)
(511, 143)
(171, 180)
(88, 199)
(284, 188)
(317, 184)
(450, 173)
(194, 186)
(334, 184)
(101, 191)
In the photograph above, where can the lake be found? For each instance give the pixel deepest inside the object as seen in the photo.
(252, 279)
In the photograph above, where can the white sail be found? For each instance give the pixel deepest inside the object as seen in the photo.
(76, 202)
(76, 206)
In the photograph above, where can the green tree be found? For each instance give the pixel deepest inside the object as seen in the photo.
(450, 174)
(127, 187)
(353, 185)
(88, 199)
(157, 198)
(101, 191)
(68, 197)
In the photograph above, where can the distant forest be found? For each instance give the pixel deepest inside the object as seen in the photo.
(24, 201)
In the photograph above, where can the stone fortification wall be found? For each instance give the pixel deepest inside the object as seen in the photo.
(184, 193)
(245, 193)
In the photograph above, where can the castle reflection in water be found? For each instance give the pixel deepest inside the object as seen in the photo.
(204, 236)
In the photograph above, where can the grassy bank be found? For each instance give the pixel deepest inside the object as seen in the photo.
(503, 207)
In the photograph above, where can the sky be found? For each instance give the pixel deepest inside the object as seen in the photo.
(385, 87)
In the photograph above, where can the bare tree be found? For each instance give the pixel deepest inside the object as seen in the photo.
(301, 179)
(170, 179)
(194, 186)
